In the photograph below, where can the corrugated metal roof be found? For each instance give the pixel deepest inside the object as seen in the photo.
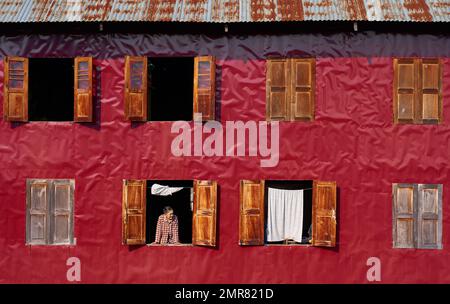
(224, 10)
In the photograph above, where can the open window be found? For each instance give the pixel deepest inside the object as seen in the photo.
(146, 220)
(169, 88)
(287, 212)
(48, 89)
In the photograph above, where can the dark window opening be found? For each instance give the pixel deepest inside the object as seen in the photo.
(306, 186)
(50, 89)
(171, 85)
(179, 201)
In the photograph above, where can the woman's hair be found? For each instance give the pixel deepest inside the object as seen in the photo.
(167, 209)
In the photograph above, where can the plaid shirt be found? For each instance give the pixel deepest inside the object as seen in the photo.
(167, 230)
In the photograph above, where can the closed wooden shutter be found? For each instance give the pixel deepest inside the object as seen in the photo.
(205, 209)
(324, 214)
(15, 104)
(430, 99)
(302, 89)
(62, 218)
(133, 211)
(429, 217)
(205, 87)
(38, 204)
(404, 210)
(251, 223)
(277, 89)
(405, 90)
(82, 111)
(136, 88)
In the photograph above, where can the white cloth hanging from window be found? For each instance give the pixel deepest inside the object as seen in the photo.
(164, 190)
(285, 215)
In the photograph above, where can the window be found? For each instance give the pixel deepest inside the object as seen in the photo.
(417, 91)
(264, 206)
(417, 216)
(290, 89)
(50, 211)
(194, 203)
(48, 89)
(169, 89)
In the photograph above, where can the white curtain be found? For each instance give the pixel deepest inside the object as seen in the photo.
(285, 215)
(164, 190)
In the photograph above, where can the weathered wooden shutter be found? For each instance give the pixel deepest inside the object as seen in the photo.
(251, 221)
(136, 88)
(429, 217)
(38, 204)
(324, 214)
(133, 211)
(82, 111)
(205, 209)
(15, 104)
(405, 90)
(205, 86)
(302, 89)
(429, 93)
(404, 211)
(277, 89)
(62, 218)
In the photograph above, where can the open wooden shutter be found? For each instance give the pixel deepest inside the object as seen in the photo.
(38, 204)
(324, 214)
(277, 95)
(429, 94)
(82, 109)
(133, 212)
(61, 226)
(136, 88)
(205, 209)
(404, 211)
(429, 217)
(302, 89)
(251, 221)
(15, 104)
(405, 90)
(204, 86)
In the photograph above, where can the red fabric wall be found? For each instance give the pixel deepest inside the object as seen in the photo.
(352, 141)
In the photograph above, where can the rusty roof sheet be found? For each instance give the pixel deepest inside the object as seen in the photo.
(224, 10)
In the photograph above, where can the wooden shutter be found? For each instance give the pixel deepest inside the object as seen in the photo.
(429, 93)
(251, 221)
(404, 210)
(405, 92)
(205, 209)
(15, 104)
(429, 217)
(302, 89)
(82, 111)
(204, 86)
(38, 204)
(136, 88)
(277, 95)
(61, 226)
(133, 212)
(324, 214)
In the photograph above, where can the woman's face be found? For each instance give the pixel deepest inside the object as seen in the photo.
(169, 215)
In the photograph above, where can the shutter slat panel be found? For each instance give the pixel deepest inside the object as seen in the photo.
(405, 91)
(133, 212)
(324, 214)
(277, 89)
(83, 106)
(62, 217)
(205, 209)
(430, 216)
(251, 223)
(404, 210)
(302, 89)
(204, 86)
(430, 91)
(136, 88)
(15, 104)
(38, 201)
